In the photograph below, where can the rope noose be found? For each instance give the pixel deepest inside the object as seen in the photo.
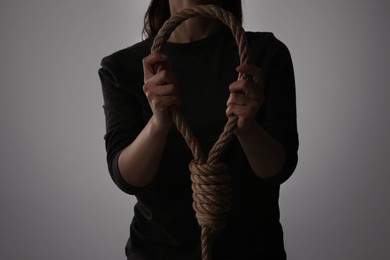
(210, 180)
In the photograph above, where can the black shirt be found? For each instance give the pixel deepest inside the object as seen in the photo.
(164, 224)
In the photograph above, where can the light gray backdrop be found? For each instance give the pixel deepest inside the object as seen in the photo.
(57, 200)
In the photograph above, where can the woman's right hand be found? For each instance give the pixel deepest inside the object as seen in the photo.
(160, 88)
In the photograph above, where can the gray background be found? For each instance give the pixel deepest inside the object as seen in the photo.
(57, 199)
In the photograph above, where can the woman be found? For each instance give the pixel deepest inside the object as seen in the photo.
(148, 158)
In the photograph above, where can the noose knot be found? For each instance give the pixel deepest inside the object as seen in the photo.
(211, 193)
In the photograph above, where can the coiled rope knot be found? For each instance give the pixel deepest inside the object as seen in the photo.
(211, 193)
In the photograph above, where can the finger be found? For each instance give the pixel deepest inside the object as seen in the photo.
(150, 63)
(158, 85)
(237, 99)
(164, 77)
(255, 73)
(246, 87)
(164, 102)
(161, 90)
(244, 111)
(238, 86)
(166, 90)
(241, 100)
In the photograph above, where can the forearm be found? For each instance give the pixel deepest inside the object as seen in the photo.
(266, 156)
(139, 162)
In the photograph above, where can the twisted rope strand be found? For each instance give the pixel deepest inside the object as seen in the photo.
(210, 180)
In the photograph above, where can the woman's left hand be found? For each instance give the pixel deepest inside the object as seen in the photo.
(246, 97)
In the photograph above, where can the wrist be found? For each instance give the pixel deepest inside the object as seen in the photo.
(248, 131)
(159, 126)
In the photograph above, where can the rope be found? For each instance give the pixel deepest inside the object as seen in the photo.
(210, 180)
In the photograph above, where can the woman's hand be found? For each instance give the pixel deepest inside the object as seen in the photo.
(246, 97)
(265, 155)
(160, 87)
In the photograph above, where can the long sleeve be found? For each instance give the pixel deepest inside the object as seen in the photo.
(123, 120)
(278, 114)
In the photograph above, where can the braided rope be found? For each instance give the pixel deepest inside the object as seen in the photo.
(210, 181)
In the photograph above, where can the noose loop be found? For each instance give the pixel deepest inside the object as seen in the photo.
(210, 180)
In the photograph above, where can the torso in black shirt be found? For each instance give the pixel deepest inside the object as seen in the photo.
(164, 224)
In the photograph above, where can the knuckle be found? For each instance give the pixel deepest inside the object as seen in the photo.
(146, 59)
(145, 88)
